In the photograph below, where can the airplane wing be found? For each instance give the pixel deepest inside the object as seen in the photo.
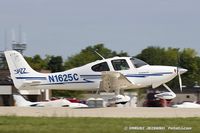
(114, 81)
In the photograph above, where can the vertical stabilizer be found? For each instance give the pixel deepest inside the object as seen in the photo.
(20, 70)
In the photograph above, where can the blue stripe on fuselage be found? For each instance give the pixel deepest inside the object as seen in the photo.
(32, 78)
(88, 78)
(128, 75)
(85, 81)
(147, 75)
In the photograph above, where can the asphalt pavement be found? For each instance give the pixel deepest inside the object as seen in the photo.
(122, 112)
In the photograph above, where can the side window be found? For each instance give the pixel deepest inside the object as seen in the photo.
(101, 67)
(120, 64)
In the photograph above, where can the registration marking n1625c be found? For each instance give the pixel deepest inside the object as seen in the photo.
(63, 77)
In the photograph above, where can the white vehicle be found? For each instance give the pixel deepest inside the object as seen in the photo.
(20, 101)
(112, 74)
(187, 105)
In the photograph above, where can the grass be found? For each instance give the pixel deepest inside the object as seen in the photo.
(98, 125)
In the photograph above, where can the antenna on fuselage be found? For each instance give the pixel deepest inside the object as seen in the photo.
(99, 54)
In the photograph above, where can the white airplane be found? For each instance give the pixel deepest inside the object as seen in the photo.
(187, 105)
(166, 95)
(112, 74)
(20, 101)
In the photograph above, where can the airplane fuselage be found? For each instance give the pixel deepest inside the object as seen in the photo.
(89, 76)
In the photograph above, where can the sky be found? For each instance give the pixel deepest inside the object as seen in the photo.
(64, 27)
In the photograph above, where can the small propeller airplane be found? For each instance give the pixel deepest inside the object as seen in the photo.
(112, 74)
(20, 101)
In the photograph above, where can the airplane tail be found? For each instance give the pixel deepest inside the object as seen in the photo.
(21, 72)
(20, 101)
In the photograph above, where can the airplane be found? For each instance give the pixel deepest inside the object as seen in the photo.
(113, 74)
(20, 101)
(166, 95)
(187, 105)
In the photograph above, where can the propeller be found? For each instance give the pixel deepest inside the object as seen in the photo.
(180, 80)
(180, 71)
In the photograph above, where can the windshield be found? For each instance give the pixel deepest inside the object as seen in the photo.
(137, 62)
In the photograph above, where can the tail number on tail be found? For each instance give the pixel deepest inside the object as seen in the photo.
(20, 71)
(63, 78)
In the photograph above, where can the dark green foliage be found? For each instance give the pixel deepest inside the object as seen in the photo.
(190, 61)
(3, 63)
(55, 64)
(36, 62)
(88, 55)
(159, 56)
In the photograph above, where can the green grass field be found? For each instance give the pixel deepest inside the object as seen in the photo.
(97, 125)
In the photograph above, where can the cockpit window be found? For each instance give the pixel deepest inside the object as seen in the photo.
(137, 62)
(120, 64)
(101, 67)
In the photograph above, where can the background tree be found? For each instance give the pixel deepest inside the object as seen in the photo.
(55, 64)
(37, 63)
(190, 61)
(88, 55)
(159, 56)
(3, 63)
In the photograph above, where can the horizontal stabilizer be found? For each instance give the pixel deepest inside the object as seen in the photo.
(21, 72)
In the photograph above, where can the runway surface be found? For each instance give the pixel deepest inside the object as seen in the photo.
(141, 112)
